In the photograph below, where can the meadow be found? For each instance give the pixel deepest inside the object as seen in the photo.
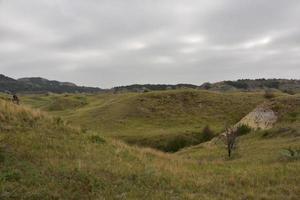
(76, 146)
(165, 120)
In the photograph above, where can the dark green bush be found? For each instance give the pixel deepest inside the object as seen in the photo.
(2, 157)
(173, 142)
(243, 129)
(10, 175)
(96, 139)
(238, 84)
(176, 144)
(167, 143)
(207, 134)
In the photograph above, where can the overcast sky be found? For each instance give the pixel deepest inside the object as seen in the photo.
(108, 43)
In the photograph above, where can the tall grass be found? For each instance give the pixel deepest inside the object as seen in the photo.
(51, 160)
(167, 120)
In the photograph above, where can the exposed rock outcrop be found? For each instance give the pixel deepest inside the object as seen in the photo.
(262, 117)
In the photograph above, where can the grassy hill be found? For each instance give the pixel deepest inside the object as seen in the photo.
(42, 157)
(167, 120)
(41, 85)
(284, 85)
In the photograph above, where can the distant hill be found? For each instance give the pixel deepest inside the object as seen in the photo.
(41, 85)
(284, 85)
(153, 87)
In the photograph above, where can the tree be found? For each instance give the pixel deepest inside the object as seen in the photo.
(230, 139)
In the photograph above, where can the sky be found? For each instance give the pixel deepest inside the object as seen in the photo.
(108, 43)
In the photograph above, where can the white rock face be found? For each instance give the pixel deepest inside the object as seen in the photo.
(261, 117)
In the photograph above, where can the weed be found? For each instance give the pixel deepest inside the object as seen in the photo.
(96, 139)
(291, 154)
(10, 175)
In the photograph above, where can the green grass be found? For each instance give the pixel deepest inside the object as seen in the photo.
(154, 119)
(42, 157)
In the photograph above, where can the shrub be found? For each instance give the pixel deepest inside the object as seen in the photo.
(243, 129)
(58, 121)
(166, 143)
(175, 144)
(10, 175)
(290, 92)
(207, 134)
(84, 129)
(207, 86)
(2, 157)
(269, 94)
(96, 139)
(240, 84)
(291, 154)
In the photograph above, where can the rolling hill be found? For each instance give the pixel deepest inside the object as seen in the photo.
(41, 85)
(42, 156)
(283, 85)
(166, 120)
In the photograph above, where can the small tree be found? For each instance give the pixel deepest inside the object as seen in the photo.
(230, 139)
(207, 134)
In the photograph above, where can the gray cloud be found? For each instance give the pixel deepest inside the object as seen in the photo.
(107, 43)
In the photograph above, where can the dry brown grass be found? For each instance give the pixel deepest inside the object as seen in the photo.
(50, 160)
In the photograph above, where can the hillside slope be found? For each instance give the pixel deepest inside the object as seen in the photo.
(286, 109)
(41, 85)
(284, 85)
(41, 157)
(266, 115)
(155, 119)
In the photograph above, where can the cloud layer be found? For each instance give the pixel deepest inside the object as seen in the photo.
(108, 43)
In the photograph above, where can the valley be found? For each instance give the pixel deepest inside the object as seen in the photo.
(129, 146)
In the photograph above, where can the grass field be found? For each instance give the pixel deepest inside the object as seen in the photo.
(44, 157)
(155, 119)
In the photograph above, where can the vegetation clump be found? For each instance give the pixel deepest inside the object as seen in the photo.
(269, 94)
(291, 154)
(96, 139)
(207, 134)
(243, 129)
